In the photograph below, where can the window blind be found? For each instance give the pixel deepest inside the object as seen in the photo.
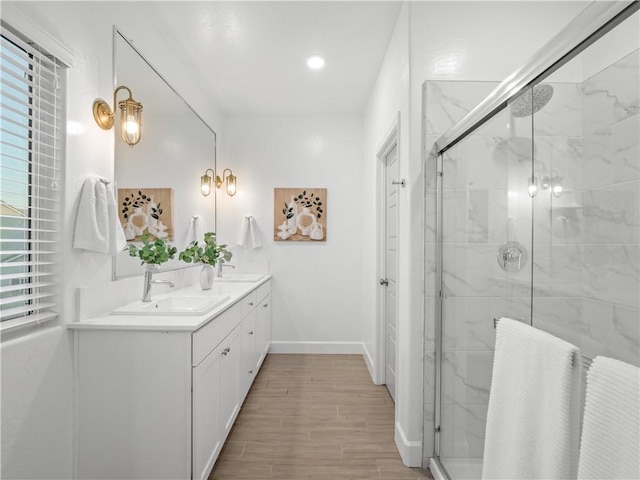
(31, 129)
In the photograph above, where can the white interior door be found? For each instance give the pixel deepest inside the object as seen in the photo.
(390, 280)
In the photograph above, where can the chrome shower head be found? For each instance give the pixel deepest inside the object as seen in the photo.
(531, 102)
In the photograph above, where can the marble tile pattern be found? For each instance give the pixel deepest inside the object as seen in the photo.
(585, 257)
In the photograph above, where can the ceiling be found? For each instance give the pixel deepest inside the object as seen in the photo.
(251, 56)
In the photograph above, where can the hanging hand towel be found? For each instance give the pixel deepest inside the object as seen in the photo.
(244, 239)
(610, 443)
(97, 226)
(196, 232)
(533, 415)
(254, 234)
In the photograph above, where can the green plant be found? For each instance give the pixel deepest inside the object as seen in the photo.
(210, 254)
(155, 252)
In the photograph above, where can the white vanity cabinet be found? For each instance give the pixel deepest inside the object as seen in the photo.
(256, 333)
(215, 396)
(156, 398)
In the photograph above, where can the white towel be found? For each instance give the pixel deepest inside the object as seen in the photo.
(249, 235)
(245, 237)
(254, 234)
(97, 226)
(611, 427)
(533, 416)
(196, 231)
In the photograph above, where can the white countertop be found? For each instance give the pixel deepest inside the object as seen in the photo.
(187, 323)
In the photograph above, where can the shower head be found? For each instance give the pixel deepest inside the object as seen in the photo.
(529, 103)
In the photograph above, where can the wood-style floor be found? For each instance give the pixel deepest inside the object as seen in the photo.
(314, 417)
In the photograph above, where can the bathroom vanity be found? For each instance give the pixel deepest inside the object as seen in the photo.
(157, 395)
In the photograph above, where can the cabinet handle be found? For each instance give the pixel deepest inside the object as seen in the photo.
(251, 304)
(250, 372)
(251, 332)
(226, 351)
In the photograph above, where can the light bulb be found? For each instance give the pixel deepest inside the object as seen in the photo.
(532, 189)
(315, 62)
(557, 190)
(132, 126)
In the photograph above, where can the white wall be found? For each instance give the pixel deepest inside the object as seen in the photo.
(37, 367)
(446, 41)
(317, 285)
(388, 105)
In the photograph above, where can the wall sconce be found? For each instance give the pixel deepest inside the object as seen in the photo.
(130, 116)
(553, 182)
(206, 181)
(231, 181)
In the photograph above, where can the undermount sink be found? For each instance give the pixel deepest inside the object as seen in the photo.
(240, 277)
(174, 305)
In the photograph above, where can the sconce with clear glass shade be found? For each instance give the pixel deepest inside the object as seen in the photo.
(130, 116)
(230, 180)
(205, 182)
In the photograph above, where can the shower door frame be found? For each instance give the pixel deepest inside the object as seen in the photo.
(590, 25)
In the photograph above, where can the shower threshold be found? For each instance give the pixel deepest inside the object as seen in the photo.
(457, 468)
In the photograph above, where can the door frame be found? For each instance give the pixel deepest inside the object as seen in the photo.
(391, 140)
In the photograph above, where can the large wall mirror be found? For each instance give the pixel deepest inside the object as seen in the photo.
(160, 176)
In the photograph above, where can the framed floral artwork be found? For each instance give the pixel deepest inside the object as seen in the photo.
(146, 211)
(299, 214)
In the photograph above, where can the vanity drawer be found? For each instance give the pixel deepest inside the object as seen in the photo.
(208, 337)
(263, 290)
(248, 303)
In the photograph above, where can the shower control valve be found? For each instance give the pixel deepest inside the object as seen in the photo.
(512, 256)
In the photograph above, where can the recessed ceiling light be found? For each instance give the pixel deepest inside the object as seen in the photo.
(315, 62)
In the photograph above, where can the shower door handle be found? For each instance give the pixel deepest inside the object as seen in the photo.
(384, 281)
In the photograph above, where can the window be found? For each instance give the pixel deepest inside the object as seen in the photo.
(31, 88)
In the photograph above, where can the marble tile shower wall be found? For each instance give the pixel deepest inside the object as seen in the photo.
(587, 253)
(585, 268)
(475, 212)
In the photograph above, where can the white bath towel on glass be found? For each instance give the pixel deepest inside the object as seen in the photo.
(533, 415)
(610, 444)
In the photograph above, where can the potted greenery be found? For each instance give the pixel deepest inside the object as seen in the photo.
(152, 253)
(208, 256)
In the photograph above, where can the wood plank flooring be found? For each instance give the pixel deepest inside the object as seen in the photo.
(314, 417)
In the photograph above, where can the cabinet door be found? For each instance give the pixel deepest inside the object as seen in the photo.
(229, 381)
(263, 328)
(250, 353)
(207, 438)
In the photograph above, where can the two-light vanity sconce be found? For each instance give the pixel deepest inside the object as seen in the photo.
(130, 116)
(228, 178)
(546, 182)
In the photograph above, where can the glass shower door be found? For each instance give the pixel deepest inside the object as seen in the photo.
(485, 270)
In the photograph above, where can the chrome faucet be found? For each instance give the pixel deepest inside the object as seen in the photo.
(221, 264)
(148, 281)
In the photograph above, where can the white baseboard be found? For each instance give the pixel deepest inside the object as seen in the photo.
(317, 347)
(369, 361)
(410, 452)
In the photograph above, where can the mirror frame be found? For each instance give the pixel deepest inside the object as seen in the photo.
(118, 34)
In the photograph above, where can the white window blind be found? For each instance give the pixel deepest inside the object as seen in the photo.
(31, 121)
